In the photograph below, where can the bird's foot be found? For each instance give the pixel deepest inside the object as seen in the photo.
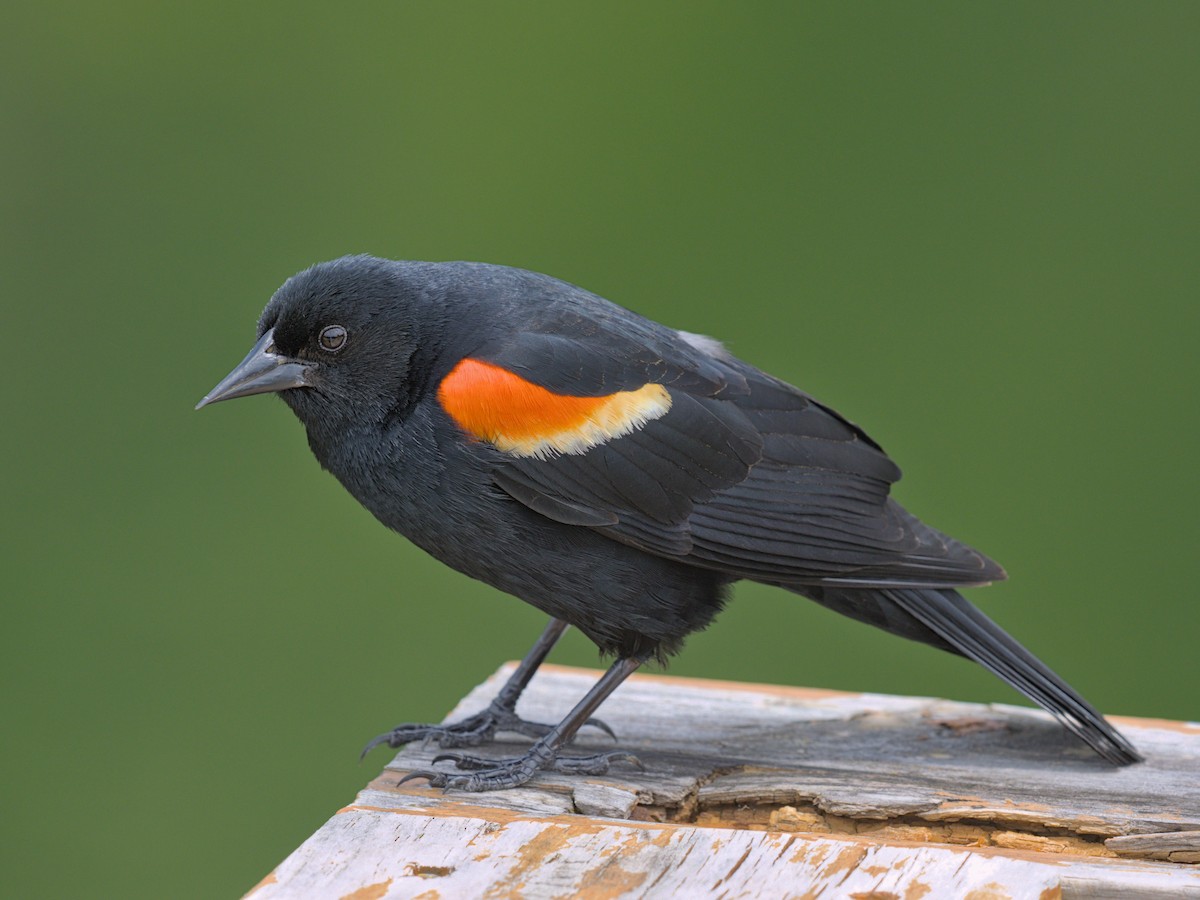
(470, 732)
(497, 774)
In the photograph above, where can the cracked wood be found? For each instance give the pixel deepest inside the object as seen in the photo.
(764, 791)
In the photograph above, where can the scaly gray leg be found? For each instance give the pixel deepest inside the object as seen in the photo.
(500, 714)
(494, 774)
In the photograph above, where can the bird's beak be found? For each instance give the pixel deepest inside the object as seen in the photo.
(261, 372)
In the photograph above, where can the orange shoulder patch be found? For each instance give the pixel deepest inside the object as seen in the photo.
(516, 416)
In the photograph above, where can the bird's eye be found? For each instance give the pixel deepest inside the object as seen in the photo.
(332, 338)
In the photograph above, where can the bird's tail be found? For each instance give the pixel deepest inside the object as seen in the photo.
(954, 624)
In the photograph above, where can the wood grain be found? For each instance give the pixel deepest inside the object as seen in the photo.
(761, 791)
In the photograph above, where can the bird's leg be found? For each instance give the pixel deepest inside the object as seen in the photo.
(500, 714)
(492, 774)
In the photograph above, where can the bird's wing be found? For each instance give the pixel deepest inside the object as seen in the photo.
(590, 349)
(662, 441)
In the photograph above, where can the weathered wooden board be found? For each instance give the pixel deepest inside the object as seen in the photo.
(441, 852)
(753, 791)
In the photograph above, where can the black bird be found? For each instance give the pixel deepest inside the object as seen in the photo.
(614, 473)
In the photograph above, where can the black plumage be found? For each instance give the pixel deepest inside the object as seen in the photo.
(614, 473)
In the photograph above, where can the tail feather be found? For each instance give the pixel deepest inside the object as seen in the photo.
(968, 631)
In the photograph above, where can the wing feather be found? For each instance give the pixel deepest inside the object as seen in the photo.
(743, 473)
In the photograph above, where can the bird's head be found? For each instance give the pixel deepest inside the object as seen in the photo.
(338, 342)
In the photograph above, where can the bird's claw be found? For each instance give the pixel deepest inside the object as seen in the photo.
(466, 761)
(470, 732)
(431, 777)
(485, 780)
(601, 726)
(408, 734)
(492, 774)
(507, 720)
(596, 764)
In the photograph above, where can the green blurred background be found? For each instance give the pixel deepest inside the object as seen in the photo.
(970, 227)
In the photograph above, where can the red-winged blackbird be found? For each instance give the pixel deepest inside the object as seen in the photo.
(616, 474)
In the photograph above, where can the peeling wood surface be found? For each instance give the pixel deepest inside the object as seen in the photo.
(754, 791)
(1174, 846)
